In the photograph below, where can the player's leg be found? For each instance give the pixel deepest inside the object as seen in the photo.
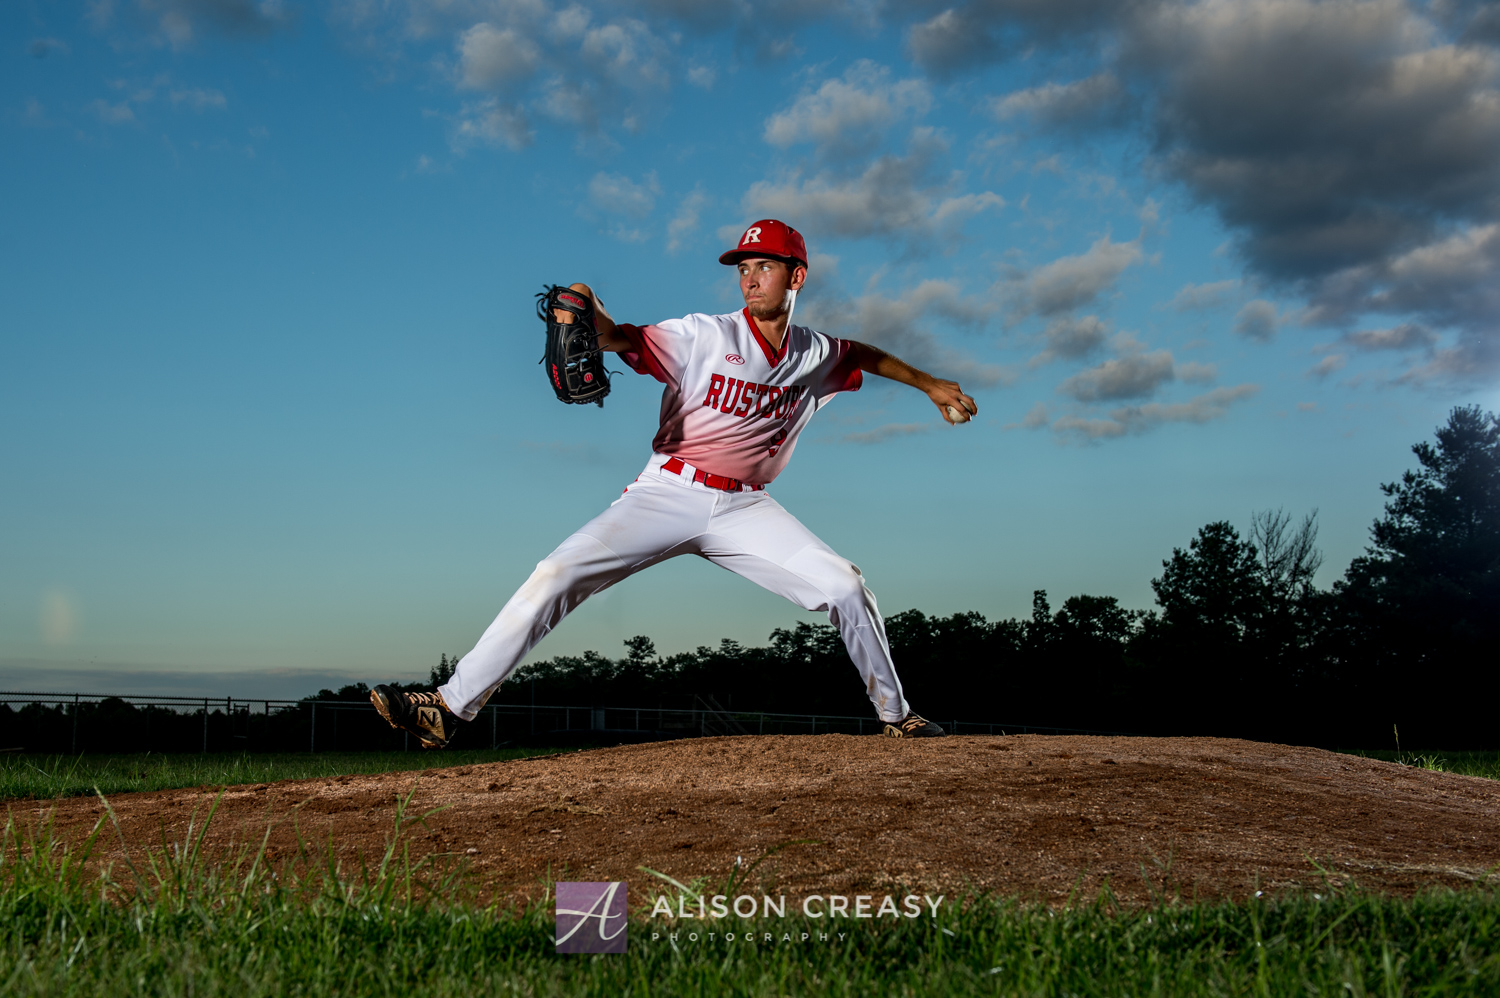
(648, 524)
(753, 536)
(579, 567)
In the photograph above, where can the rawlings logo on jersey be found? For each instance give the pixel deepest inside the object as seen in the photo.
(734, 358)
(746, 399)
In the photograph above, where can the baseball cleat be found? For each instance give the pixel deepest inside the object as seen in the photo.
(423, 714)
(913, 725)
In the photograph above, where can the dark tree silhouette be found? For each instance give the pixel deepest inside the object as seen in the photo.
(1418, 620)
(1205, 645)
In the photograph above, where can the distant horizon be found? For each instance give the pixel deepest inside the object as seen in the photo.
(130, 680)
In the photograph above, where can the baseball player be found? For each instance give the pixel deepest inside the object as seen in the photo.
(738, 389)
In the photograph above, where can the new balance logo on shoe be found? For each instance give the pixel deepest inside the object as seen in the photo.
(422, 714)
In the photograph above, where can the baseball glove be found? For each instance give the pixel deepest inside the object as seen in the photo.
(574, 362)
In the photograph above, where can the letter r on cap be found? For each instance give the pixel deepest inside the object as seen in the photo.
(752, 235)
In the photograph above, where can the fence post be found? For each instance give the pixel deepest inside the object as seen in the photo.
(494, 726)
(205, 725)
(75, 724)
(312, 728)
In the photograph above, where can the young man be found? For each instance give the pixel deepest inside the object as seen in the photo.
(739, 388)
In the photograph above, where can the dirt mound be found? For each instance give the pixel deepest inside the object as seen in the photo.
(1033, 816)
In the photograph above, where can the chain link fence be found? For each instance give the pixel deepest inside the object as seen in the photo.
(96, 722)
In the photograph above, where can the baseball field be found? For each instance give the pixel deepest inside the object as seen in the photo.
(1065, 865)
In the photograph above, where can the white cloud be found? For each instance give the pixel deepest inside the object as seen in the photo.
(491, 122)
(199, 100)
(571, 23)
(702, 77)
(113, 114)
(1192, 297)
(685, 222)
(1451, 281)
(957, 210)
(1073, 281)
(181, 21)
(1473, 362)
(1323, 368)
(1134, 376)
(563, 63)
(1195, 373)
(491, 58)
(1257, 320)
(847, 115)
(1136, 419)
(1080, 102)
(1068, 337)
(619, 195)
(422, 20)
(895, 195)
(627, 53)
(1407, 336)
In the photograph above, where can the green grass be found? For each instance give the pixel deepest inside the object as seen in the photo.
(1463, 763)
(171, 923)
(47, 776)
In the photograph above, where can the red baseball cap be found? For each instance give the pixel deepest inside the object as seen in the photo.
(768, 238)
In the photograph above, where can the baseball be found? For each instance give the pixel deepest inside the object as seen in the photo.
(957, 415)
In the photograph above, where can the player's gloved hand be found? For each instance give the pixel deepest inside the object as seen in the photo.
(574, 362)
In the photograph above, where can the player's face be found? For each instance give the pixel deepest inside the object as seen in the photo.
(765, 284)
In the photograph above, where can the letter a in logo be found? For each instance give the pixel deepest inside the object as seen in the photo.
(578, 905)
(752, 235)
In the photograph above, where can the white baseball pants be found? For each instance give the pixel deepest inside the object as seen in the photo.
(663, 515)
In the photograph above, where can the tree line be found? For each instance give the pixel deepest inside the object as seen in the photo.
(1241, 640)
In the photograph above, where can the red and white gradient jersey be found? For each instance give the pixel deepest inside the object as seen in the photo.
(733, 406)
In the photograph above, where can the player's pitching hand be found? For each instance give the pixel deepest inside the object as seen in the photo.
(955, 406)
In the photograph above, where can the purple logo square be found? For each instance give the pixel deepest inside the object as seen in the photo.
(591, 917)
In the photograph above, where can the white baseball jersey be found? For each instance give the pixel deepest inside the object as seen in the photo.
(732, 405)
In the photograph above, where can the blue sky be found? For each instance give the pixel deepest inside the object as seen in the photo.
(270, 408)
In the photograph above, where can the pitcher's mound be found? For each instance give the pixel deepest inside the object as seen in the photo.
(1034, 816)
